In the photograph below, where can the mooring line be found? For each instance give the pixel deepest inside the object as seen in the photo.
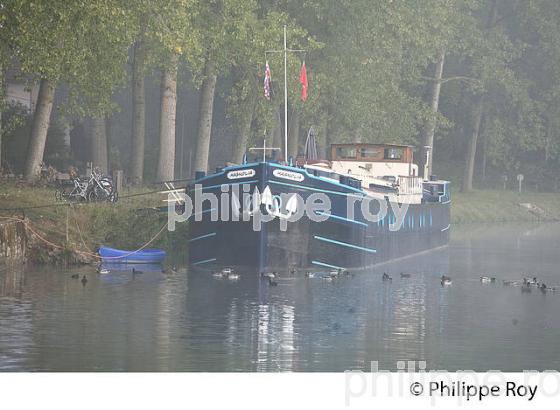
(28, 225)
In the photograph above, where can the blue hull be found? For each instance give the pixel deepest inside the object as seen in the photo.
(111, 255)
(338, 242)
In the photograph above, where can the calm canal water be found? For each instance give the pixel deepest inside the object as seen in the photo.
(194, 322)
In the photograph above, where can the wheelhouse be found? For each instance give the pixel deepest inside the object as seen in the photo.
(372, 153)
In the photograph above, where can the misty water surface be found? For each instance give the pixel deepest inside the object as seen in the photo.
(194, 322)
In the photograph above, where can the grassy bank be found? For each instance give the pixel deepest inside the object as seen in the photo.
(503, 206)
(75, 232)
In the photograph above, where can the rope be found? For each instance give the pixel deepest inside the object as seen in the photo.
(41, 238)
(133, 252)
(28, 225)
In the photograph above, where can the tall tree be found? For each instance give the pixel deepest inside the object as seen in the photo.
(166, 159)
(41, 120)
(225, 26)
(99, 143)
(243, 128)
(206, 112)
(429, 129)
(83, 44)
(5, 59)
(138, 111)
(478, 108)
(167, 38)
(1, 108)
(477, 112)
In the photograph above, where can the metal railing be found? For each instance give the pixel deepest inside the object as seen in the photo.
(409, 185)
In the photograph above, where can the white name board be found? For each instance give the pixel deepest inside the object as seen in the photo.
(292, 176)
(241, 173)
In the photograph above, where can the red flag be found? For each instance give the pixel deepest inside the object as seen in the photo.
(303, 81)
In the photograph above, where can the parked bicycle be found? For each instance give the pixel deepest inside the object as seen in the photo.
(100, 187)
(96, 188)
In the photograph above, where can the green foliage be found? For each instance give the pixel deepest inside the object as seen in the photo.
(83, 44)
(164, 29)
(16, 126)
(247, 71)
(366, 77)
(369, 64)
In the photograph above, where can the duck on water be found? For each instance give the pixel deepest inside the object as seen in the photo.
(270, 275)
(226, 273)
(446, 280)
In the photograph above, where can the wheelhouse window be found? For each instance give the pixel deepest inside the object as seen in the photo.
(394, 153)
(370, 153)
(346, 153)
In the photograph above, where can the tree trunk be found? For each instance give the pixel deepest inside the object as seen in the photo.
(430, 127)
(328, 134)
(293, 137)
(243, 131)
(477, 118)
(112, 164)
(205, 119)
(166, 161)
(138, 115)
(471, 149)
(66, 125)
(547, 139)
(99, 144)
(1, 106)
(277, 140)
(484, 157)
(1, 139)
(39, 128)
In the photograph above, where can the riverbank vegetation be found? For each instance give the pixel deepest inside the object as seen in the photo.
(114, 82)
(60, 232)
(504, 206)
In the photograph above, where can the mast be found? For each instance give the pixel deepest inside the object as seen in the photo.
(285, 50)
(285, 96)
